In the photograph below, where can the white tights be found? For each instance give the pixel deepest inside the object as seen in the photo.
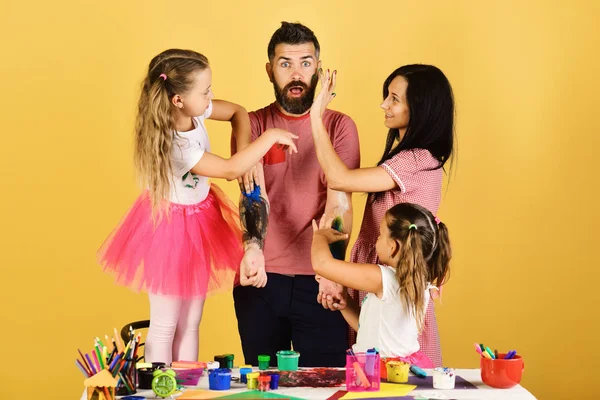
(174, 329)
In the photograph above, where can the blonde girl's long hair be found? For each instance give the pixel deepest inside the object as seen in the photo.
(170, 73)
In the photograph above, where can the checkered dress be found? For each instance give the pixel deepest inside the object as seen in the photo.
(418, 182)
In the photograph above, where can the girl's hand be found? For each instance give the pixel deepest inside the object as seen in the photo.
(283, 138)
(331, 296)
(326, 94)
(324, 230)
(325, 222)
(248, 180)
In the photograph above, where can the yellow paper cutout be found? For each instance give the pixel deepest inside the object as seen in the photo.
(385, 390)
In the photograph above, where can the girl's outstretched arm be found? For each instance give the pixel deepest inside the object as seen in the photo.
(351, 313)
(366, 277)
(213, 166)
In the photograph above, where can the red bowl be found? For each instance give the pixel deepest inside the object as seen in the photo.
(501, 373)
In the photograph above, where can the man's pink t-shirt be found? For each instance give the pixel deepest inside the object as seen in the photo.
(296, 185)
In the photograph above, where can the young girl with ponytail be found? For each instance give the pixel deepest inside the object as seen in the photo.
(414, 254)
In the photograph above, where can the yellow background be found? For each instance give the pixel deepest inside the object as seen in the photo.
(521, 204)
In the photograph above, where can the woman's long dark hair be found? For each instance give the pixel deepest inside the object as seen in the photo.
(431, 113)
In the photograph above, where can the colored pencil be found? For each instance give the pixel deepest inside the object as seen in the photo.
(112, 339)
(114, 362)
(137, 346)
(92, 366)
(99, 353)
(99, 342)
(109, 342)
(84, 360)
(82, 369)
(105, 355)
(97, 361)
(117, 340)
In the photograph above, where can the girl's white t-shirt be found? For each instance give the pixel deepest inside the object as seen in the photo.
(384, 324)
(188, 148)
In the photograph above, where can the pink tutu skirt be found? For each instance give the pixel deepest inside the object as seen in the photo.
(194, 251)
(418, 358)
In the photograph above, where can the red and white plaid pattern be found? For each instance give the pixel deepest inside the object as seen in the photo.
(420, 183)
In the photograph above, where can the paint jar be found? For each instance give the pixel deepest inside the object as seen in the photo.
(383, 368)
(263, 361)
(501, 373)
(252, 379)
(397, 371)
(243, 372)
(287, 360)
(444, 378)
(146, 373)
(225, 360)
(221, 360)
(264, 382)
(274, 381)
(213, 365)
(219, 379)
(229, 359)
(362, 372)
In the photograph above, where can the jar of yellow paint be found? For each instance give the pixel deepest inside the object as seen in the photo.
(252, 380)
(397, 371)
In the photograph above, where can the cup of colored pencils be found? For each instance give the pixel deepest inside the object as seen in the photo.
(119, 361)
(101, 386)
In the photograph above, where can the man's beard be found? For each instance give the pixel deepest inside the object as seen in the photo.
(295, 105)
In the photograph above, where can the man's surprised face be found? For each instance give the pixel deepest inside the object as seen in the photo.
(293, 73)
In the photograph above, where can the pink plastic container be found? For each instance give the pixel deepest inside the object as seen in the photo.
(362, 372)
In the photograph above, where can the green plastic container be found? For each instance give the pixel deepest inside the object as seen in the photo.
(229, 358)
(263, 361)
(287, 360)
